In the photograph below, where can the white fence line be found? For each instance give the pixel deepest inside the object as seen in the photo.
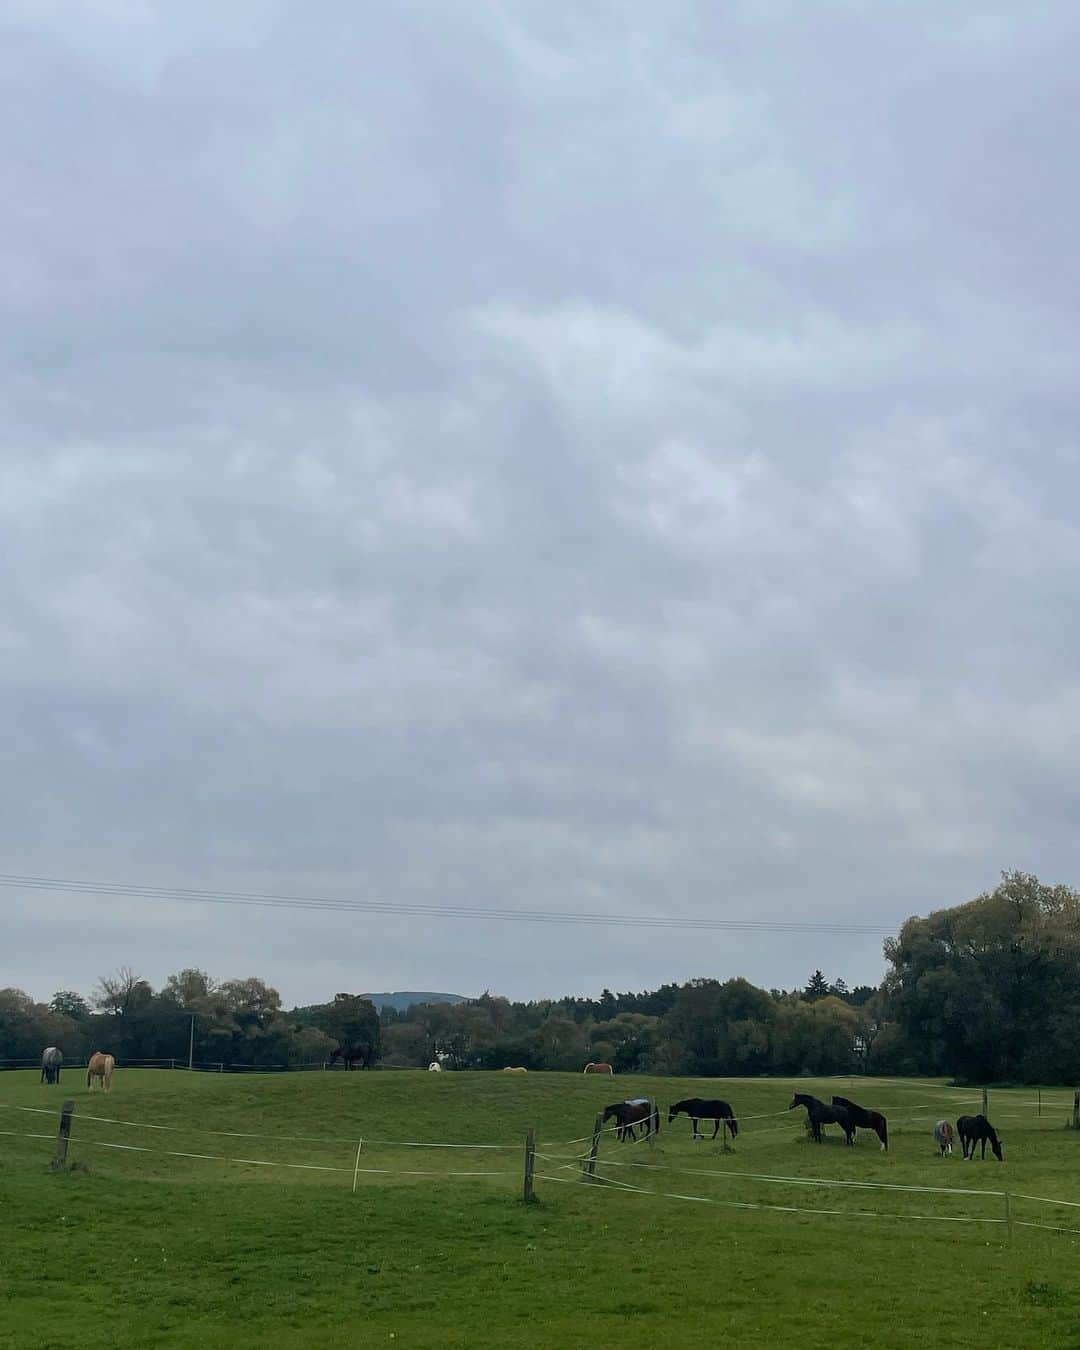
(610, 1183)
(261, 1162)
(244, 1134)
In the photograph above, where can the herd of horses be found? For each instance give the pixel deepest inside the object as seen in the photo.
(640, 1112)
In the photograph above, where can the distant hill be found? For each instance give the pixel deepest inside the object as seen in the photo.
(405, 999)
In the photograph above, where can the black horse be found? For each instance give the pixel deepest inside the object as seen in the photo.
(350, 1055)
(627, 1115)
(818, 1114)
(698, 1108)
(866, 1120)
(975, 1129)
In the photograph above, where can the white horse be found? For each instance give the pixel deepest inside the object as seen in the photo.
(100, 1066)
(434, 1067)
(51, 1061)
(944, 1135)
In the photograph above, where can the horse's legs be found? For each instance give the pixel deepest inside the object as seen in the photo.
(693, 1122)
(716, 1127)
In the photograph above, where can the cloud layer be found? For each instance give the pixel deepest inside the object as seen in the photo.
(533, 456)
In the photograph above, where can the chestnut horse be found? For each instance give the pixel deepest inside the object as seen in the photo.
(626, 1115)
(599, 1068)
(100, 1066)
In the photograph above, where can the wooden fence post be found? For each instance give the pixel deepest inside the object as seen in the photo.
(64, 1137)
(985, 1105)
(598, 1130)
(1076, 1109)
(1039, 1095)
(1008, 1215)
(528, 1194)
(654, 1121)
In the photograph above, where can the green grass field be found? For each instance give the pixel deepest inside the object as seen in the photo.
(132, 1248)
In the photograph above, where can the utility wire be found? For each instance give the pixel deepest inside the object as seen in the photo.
(184, 894)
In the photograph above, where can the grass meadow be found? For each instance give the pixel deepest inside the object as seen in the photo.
(164, 1243)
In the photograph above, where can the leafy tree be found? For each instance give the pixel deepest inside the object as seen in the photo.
(352, 1020)
(69, 1004)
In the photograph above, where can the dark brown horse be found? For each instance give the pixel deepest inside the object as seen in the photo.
(350, 1055)
(627, 1115)
(977, 1129)
(818, 1114)
(866, 1120)
(698, 1108)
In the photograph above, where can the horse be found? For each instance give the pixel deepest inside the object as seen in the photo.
(434, 1067)
(51, 1060)
(975, 1129)
(639, 1111)
(866, 1120)
(818, 1114)
(350, 1055)
(697, 1108)
(944, 1135)
(516, 1069)
(599, 1068)
(100, 1066)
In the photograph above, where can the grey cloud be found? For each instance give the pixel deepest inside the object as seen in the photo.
(537, 458)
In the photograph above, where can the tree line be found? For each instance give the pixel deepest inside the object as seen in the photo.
(984, 991)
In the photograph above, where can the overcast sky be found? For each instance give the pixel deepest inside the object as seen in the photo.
(574, 457)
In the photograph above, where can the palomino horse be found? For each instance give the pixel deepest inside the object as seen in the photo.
(51, 1060)
(639, 1111)
(515, 1069)
(697, 1108)
(100, 1066)
(972, 1130)
(818, 1114)
(599, 1068)
(944, 1134)
(866, 1120)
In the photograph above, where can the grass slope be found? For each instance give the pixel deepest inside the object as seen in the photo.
(137, 1249)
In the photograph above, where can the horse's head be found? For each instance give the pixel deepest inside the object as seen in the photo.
(335, 1055)
(995, 1144)
(612, 1112)
(797, 1100)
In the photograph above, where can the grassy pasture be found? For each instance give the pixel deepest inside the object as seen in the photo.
(137, 1248)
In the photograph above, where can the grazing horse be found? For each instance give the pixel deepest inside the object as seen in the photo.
(350, 1055)
(599, 1068)
(100, 1066)
(866, 1120)
(944, 1134)
(818, 1114)
(975, 1129)
(51, 1060)
(639, 1111)
(434, 1067)
(697, 1108)
(515, 1069)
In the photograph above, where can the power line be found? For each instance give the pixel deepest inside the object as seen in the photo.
(184, 894)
